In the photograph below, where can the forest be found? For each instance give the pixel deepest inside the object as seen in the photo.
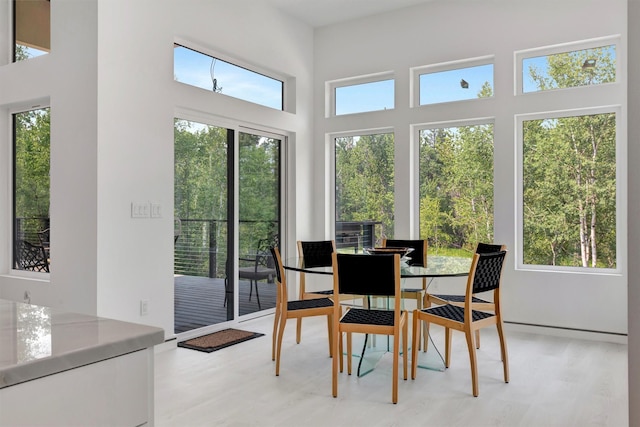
(568, 179)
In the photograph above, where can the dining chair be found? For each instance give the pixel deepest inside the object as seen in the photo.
(316, 253)
(478, 303)
(418, 257)
(31, 257)
(379, 275)
(485, 275)
(297, 309)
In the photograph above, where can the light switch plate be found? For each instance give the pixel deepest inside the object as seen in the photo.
(139, 210)
(155, 210)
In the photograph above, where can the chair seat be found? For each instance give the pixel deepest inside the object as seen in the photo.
(458, 298)
(309, 303)
(416, 290)
(456, 313)
(369, 317)
(258, 273)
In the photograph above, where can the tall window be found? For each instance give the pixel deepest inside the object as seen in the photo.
(456, 188)
(31, 29)
(31, 190)
(364, 198)
(568, 164)
(569, 191)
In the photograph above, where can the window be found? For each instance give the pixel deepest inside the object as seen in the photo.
(569, 190)
(452, 82)
(456, 187)
(364, 97)
(207, 72)
(560, 67)
(31, 29)
(31, 190)
(364, 195)
(374, 92)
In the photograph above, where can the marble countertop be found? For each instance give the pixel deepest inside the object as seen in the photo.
(37, 341)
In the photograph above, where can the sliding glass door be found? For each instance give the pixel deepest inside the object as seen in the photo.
(205, 189)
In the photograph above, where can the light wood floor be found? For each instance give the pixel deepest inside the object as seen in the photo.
(554, 382)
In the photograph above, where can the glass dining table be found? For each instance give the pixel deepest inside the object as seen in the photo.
(373, 349)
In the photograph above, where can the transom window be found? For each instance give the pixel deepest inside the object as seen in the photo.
(208, 72)
(375, 92)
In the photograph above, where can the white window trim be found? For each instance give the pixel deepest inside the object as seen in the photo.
(416, 72)
(331, 86)
(621, 191)
(521, 55)
(38, 104)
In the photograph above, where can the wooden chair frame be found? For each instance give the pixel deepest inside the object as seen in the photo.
(474, 320)
(295, 309)
(478, 303)
(399, 326)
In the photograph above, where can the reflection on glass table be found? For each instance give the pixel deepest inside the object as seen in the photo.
(374, 347)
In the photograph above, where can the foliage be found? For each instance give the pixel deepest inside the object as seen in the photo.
(365, 180)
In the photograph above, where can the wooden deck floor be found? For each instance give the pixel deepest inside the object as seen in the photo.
(199, 301)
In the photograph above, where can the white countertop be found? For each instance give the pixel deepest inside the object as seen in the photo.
(37, 341)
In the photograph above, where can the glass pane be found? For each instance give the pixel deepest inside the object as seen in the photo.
(31, 190)
(204, 71)
(569, 191)
(32, 30)
(456, 188)
(200, 215)
(569, 69)
(364, 191)
(259, 220)
(456, 85)
(365, 97)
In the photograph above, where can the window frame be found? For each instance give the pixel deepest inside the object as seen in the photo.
(288, 83)
(520, 55)
(415, 150)
(416, 72)
(331, 86)
(35, 105)
(621, 190)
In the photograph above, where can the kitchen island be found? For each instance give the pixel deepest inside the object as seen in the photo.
(62, 369)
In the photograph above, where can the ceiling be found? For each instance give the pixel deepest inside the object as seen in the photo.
(318, 13)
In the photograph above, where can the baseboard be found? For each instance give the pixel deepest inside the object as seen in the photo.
(566, 332)
(170, 344)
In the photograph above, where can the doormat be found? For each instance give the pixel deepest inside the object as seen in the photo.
(218, 340)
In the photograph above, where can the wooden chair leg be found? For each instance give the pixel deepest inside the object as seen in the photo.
(419, 307)
(334, 362)
(503, 351)
(340, 350)
(394, 374)
(414, 348)
(329, 330)
(478, 338)
(276, 320)
(472, 361)
(349, 353)
(283, 323)
(447, 347)
(405, 345)
(298, 329)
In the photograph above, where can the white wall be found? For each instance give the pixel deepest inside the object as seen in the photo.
(634, 212)
(113, 98)
(442, 31)
(66, 78)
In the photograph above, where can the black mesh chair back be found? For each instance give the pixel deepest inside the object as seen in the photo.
(485, 248)
(316, 253)
(488, 271)
(366, 274)
(417, 256)
(31, 257)
(277, 265)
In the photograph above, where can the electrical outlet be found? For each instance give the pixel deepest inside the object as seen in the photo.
(155, 210)
(144, 307)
